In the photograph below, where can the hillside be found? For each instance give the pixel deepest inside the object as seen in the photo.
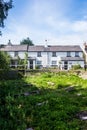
(44, 101)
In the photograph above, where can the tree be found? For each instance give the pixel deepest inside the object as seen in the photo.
(4, 60)
(25, 62)
(27, 41)
(4, 8)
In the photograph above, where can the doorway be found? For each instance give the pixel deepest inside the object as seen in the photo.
(65, 65)
(31, 64)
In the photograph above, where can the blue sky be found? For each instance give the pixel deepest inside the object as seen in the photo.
(61, 22)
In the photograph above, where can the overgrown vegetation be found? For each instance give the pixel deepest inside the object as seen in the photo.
(4, 60)
(43, 101)
(76, 67)
(4, 8)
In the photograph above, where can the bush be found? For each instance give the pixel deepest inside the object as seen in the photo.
(10, 75)
(75, 67)
(4, 60)
(38, 66)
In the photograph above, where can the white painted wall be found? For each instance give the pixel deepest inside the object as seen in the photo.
(11, 54)
(46, 58)
(70, 63)
(73, 54)
(43, 57)
(20, 54)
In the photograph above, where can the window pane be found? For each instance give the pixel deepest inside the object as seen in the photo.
(54, 62)
(39, 62)
(76, 54)
(54, 54)
(68, 54)
(39, 54)
(16, 53)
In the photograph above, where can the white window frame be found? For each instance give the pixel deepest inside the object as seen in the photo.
(39, 62)
(76, 54)
(68, 54)
(15, 53)
(54, 62)
(53, 54)
(39, 54)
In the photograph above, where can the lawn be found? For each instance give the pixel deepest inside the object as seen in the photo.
(43, 101)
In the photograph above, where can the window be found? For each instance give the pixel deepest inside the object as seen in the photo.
(54, 62)
(16, 53)
(68, 54)
(54, 54)
(39, 54)
(39, 62)
(76, 54)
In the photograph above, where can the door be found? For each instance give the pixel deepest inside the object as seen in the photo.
(65, 65)
(31, 64)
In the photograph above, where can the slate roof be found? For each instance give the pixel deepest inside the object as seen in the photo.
(55, 48)
(41, 48)
(11, 48)
(36, 48)
(65, 48)
(72, 59)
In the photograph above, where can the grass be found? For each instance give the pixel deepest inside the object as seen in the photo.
(53, 108)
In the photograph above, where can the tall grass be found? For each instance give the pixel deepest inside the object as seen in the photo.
(54, 107)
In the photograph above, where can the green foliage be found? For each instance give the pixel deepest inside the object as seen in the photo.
(10, 75)
(23, 63)
(27, 41)
(75, 67)
(20, 63)
(26, 60)
(53, 108)
(4, 8)
(37, 67)
(4, 60)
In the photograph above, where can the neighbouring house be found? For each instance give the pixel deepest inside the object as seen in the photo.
(63, 57)
(15, 52)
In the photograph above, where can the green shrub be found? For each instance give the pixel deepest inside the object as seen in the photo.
(37, 67)
(57, 109)
(12, 74)
(4, 60)
(75, 67)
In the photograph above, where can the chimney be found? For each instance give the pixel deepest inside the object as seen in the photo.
(9, 43)
(85, 44)
(46, 43)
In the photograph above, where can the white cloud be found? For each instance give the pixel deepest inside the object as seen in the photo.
(79, 26)
(16, 32)
(46, 19)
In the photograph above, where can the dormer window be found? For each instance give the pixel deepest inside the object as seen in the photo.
(38, 54)
(76, 54)
(16, 53)
(53, 54)
(68, 54)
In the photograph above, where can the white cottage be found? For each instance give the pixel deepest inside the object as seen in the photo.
(55, 56)
(62, 57)
(15, 51)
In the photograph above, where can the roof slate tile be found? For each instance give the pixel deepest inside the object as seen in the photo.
(41, 48)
